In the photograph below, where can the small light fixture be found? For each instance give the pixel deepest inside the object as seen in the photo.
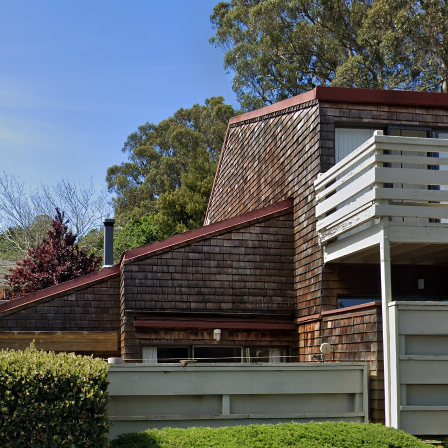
(217, 334)
(326, 348)
(421, 283)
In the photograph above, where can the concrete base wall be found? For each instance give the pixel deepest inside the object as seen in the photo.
(146, 396)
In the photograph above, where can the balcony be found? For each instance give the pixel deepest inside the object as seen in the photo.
(389, 187)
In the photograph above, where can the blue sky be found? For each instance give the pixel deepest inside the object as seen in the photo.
(76, 78)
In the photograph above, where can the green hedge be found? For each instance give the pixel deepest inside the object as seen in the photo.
(49, 400)
(309, 435)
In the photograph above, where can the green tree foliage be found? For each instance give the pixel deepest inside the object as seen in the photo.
(280, 48)
(137, 232)
(57, 259)
(184, 208)
(170, 168)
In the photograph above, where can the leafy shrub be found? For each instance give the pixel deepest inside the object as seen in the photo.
(49, 400)
(309, 435)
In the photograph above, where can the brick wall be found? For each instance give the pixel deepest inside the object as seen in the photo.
(247, 270)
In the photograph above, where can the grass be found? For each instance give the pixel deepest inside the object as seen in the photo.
(309, 435)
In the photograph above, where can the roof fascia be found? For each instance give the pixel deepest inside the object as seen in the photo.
(352, 95)
(206, 231)
(380, 96)
(285, 104)
(55, 291)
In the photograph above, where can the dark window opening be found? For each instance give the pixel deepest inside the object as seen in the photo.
(213, 354)
(217, 354)
(172, 354)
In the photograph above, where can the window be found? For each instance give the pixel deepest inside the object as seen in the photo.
(164, 354)
(217, 354)
(264, 354)
(5, 293)
(348, 139)
(172, 354)
(213, 354)
(149, 354)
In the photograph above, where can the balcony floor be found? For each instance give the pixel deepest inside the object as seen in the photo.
(410, 243)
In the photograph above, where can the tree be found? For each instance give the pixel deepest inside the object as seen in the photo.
(137, 232)
(184, 208)
(412, 36)
(56, 260)
(25, 215)
(170, 168)
(280, 48)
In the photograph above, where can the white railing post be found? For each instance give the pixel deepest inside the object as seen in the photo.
(386, 298)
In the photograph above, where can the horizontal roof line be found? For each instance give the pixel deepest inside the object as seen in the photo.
(351, 95)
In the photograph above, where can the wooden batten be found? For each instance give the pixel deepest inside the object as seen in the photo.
(89, 342)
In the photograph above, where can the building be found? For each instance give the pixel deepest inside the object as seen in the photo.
(289, 257)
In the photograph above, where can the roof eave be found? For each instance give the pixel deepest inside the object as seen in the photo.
(206, 231)
(61, 289)
(351, 95)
